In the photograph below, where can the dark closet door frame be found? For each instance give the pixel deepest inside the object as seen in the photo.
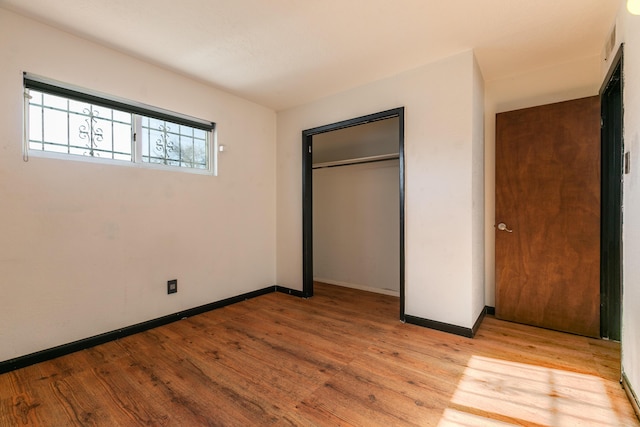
(307, 193)
(612, 150)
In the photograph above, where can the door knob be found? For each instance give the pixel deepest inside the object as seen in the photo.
(503, 227)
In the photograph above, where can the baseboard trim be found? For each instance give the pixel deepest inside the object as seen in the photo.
(61, 350)
(365, 288)
(633, 398)
(439, 326)
(491, 311)
(478, 322)
(289, 291)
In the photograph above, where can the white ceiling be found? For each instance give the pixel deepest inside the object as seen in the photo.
(282, 53)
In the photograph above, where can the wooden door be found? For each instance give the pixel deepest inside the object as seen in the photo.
(548, 198)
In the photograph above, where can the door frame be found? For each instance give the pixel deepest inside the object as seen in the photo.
(307, 194)
(611, 205)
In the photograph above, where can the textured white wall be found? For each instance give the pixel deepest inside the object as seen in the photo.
(356, 225)
(438, 101)
(88, 248)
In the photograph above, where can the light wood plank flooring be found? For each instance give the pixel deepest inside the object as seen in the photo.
(340, 358)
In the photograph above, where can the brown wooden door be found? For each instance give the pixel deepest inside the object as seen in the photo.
(548, 195)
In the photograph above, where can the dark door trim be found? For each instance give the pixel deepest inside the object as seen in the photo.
(611, 201)
(307, 194)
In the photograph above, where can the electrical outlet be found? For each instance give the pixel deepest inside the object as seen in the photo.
(172, 286)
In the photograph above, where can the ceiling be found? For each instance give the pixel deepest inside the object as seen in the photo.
(283, 53)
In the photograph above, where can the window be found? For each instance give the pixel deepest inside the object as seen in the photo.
(64, 120)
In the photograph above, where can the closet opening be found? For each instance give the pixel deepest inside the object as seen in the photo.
(354, 170)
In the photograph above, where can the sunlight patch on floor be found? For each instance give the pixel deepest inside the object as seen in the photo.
(493, 389)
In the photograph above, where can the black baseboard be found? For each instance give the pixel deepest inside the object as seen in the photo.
(439, 326)
(293, 292)
(446, 327)
(478, 322)
(491, 311)
(61, 350)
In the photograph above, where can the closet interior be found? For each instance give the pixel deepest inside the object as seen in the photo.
(356, 217)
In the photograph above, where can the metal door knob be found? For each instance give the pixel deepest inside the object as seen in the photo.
(503, 227)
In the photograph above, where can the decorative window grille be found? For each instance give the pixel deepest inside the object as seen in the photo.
(68, 121)
(173, 144)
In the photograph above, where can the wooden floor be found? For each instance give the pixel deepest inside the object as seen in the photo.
(340, 358)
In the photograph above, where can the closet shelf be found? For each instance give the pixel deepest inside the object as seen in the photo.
(347, 162)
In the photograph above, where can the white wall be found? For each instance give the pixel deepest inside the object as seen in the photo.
(631, 201)
(356, 226)
(439, 136)
(478, 192)
(88, 248)
(562, 82)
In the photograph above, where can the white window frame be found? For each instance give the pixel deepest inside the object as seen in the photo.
(137, 111)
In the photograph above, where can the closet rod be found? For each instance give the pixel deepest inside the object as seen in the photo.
(347, 162)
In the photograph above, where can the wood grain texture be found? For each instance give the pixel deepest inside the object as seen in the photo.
(340, 358)
(548, 193)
